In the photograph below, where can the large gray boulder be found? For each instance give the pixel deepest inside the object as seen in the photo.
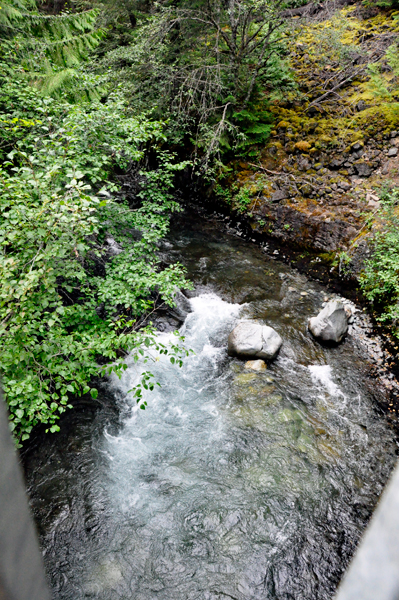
(253, 340)
(331, 324)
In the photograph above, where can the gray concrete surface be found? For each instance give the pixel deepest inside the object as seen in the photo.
(21, 566)
(374, 571)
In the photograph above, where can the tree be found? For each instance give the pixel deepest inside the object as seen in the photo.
(47, 50)
(243, 31)
(201, 62)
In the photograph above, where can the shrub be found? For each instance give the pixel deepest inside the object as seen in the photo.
(380, 280)
(65, 309)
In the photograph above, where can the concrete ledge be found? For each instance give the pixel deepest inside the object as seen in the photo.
(374, 571)
(21, 566)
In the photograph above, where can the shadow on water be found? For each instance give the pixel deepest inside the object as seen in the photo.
(232, 484)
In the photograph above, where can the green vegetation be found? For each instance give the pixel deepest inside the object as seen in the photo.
(47, 50)
(203, 66)
(94, 93)
(68, 312)
(87, 94)
(64, 306)
(380, 281)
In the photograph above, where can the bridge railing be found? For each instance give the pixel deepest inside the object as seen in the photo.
(21, 566)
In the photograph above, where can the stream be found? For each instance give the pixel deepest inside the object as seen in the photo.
(232, 484)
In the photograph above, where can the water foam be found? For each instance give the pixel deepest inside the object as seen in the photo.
(322, 374)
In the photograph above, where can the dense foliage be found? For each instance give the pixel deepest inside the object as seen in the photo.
(201, 63)
(64, 306)
(380, 281)
(87, 90)
(48, 50)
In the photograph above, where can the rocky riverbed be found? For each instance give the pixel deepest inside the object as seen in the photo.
(376, 342)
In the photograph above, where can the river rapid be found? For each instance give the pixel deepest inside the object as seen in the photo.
(231, 484)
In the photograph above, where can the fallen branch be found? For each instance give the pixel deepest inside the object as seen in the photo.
(267, 170)
(336, 87)
(339, 85)
(296, 180)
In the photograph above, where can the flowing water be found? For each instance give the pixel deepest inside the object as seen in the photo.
(232, 484)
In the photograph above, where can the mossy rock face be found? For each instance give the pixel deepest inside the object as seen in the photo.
(303, 146)
(323, 209)
(306, 190)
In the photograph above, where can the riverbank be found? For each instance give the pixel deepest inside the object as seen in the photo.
(334, 143)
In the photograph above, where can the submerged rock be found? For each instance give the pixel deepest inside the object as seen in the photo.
(244, 378)
(253, 340)
(331, 324)
(255, 365)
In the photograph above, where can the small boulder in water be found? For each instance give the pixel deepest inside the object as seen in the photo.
(253, 340)
(331, 324)
(255, 365)
(182, 305)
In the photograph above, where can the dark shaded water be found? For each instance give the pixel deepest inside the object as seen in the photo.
(232, 484)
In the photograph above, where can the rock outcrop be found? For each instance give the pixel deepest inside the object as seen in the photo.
(182, 305)
(250, 339)
(331, 324)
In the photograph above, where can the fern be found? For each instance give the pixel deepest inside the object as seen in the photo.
(377, 83)
(12, 12)
(48, 49)
(380, 85)
(392, 56)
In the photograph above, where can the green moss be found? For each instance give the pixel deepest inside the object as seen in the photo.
(303, 146)
(384, 116)
(328, 257)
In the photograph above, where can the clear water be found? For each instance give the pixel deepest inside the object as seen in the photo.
(232, 484)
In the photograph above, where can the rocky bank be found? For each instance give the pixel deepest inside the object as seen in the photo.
(334, 143)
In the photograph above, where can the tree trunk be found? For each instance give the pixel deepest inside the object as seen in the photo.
(133, 20)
